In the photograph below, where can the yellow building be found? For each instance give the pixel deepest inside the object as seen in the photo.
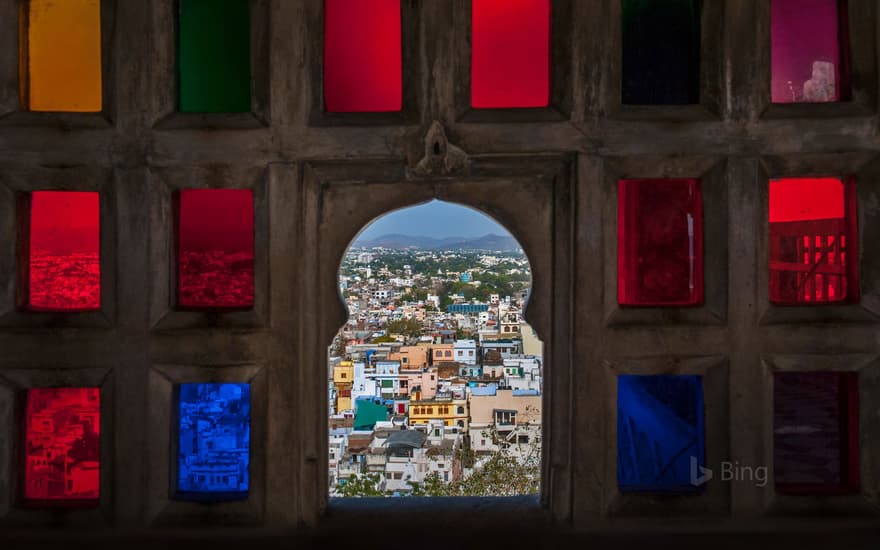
(343, 379)
(343, 403)
(343, 373)
(452, 412)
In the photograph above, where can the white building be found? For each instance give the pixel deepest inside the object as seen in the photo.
(362, 385)
(382, 294)
(465, 351)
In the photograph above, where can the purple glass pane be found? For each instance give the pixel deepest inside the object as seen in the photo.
(815, 432)
(805, 45)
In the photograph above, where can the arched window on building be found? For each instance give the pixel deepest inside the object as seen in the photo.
(401, 281)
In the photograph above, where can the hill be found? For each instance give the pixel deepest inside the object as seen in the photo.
(491, 242)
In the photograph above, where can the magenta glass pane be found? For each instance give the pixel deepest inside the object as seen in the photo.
(62, 446)
(805, 43)
(659, 242)
(362, 56)
(510, 53)
(216, 249)
(64, 263)
(813, 241)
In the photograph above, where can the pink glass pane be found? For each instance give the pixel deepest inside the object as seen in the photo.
(813, 243)
(64, 251)
(805, 43)
(510, 53)
(216, 249)
(659, 243)
(362, 56)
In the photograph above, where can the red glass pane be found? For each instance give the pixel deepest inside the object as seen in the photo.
(215, 248)
(62, 445)
(813, 241)
(816, 432)
(362, 56)
(806, 51)
(659, 243)
(510, 53)
(64, 251)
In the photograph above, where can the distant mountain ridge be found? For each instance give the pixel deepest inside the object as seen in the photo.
(489, 241)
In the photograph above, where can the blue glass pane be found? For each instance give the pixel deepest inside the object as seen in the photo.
(660, 433)
(214, 440)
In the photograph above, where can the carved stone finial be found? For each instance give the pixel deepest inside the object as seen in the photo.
(441, 157)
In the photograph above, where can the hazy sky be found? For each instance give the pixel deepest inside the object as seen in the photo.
(434, 219)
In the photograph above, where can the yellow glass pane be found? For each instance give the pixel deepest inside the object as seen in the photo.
(64, 55)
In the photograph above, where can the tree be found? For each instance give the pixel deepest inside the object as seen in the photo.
(433, 486)
(384, 339)
(365, 485)
(500, 473)
(338, 349)
(410, 328)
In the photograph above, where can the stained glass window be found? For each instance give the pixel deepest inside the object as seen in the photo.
(64, 267)
(63, 56)
(660, 242)
(661, 52)
(362, 56)
(215, 252)
(510, 53)
(62, 446)
(813, 241)
(660, 433)
(214, 63)
(815, 432)
(214, 426)
(806, 51)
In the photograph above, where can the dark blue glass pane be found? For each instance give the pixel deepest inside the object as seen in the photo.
(661, 52)
(660, 433)
(214, 440)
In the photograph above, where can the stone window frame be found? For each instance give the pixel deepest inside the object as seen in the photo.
(867, 367)
(714, 500)
(162, 509)
(712, 173)
(410, 44)
(865, 168)
(341, 197)
(13, 508)
(862, 46)
(561, 55)
(13, 111)
(15, 183)
(165, 313)
(713, 93)
(165, 87)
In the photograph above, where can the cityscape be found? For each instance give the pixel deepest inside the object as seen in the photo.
(62, 444)
(435, 381)
(216, 279)
(214, 438)
(215, 248)
(68, 281)
(64, 263)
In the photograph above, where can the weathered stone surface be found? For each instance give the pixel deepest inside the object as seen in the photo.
(546, 174)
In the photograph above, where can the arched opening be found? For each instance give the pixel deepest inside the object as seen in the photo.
(435, 373)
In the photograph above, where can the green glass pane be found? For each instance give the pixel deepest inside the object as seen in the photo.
(214, 56)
